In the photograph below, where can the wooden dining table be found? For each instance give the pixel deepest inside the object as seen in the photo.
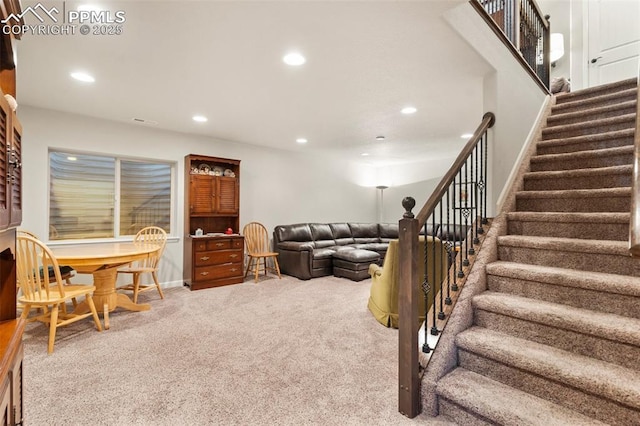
(102, 260)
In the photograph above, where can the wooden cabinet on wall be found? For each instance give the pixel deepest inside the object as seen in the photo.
(212, 204)
(11, 330)
(11, 348)
(10, 166)
(11, 327)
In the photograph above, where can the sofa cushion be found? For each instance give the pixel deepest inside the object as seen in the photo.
(323, 253)
(340, 230)
(322, 259)
(324, 243)
(296, 232)
(377, 247)
(321, 231)
(342, 248)
(388, 231)
(364, 232)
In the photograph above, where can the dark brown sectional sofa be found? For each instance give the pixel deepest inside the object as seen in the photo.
(306, 250)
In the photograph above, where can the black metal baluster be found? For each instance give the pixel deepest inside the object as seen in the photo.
(465, 214)
(438, 282)
(476, 219)
(453, 242)
(448, 247)
(459, 243)
(486, 167)
(425, 289)
(434, 328)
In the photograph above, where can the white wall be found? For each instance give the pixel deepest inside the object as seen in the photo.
(510, 93)
(277, 187)
(393, 197)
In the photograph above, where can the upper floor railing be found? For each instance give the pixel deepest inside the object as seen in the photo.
(524, 29)
(458, 205)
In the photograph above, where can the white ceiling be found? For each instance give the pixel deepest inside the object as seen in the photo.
(223, 59)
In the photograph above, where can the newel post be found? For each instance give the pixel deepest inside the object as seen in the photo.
(409, 381)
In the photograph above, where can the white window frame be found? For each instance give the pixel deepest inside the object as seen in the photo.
(116, 222)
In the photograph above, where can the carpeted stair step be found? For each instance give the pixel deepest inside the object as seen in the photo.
(600, 125)
(597, 91)
(587, 142)
(575, 200)
(607, 337)
(591, 226)
(604, 292)
(586, 115)
(625, 95)
(598, 389)
(617, 156)
(603, 177)
(463, 395)
(582, 255)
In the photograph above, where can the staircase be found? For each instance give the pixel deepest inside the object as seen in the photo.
(555, 338)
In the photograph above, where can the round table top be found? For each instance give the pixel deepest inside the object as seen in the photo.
(102, 253)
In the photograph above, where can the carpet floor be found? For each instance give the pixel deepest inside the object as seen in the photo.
(280, 352)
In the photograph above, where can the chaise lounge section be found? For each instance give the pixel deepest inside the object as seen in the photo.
(308, 250)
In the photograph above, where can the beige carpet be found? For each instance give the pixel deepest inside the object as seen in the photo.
(281, 352)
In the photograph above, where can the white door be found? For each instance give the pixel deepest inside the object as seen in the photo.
(614, 40)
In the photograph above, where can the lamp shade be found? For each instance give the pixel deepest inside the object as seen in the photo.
(557, 47)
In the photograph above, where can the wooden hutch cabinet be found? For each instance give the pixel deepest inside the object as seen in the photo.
(11, 327)
(212, 205)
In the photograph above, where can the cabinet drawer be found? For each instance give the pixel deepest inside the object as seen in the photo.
(217, 257)
(217, 271)
(215, 244)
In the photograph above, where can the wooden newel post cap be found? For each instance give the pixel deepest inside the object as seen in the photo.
(408, 203)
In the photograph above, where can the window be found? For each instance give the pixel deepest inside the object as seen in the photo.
(93, 196)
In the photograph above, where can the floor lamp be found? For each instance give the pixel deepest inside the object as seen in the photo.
(381, 201)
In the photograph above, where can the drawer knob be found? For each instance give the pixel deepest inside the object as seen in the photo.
(219, 244)
(204, 258)
(233, 255)
(233, 269)
(205, 273)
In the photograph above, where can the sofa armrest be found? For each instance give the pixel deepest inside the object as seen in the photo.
(296, 245)
(375, 270)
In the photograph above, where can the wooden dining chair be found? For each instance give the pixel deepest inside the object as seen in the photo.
(66, 272)
(149, 265)
(41, 286)
(256, 241)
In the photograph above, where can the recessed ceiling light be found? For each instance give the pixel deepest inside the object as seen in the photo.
(408, 110)
(301, 140)
(365, 154)
(380, 138)
(83, 76)
(294, 59)
(200, 118)
(466, 135)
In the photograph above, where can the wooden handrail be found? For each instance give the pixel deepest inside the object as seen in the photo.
(634, 225)
(488, 120)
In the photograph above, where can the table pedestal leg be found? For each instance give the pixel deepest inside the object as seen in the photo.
(105, 295)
